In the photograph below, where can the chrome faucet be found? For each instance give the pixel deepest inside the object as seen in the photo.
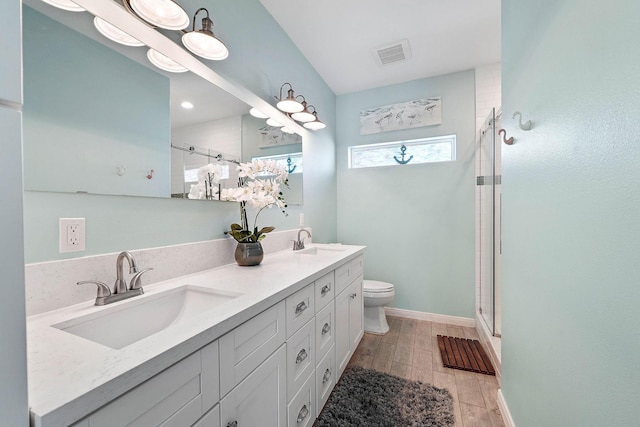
(299, 244)
(120, 289)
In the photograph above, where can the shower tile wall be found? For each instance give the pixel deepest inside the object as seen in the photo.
(488, 96)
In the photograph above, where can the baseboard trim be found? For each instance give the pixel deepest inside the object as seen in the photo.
(504, 410)
(431, 317)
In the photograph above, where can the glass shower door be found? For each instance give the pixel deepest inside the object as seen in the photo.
(488, 184)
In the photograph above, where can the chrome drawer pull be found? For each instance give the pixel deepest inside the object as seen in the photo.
(301, 356)
(326, 328)
(233, 424)
(301, 307)
(302, 414)
(325, 289)
(326, 376)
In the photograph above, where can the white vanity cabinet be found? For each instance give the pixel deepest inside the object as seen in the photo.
(177, 396)
(275, 369)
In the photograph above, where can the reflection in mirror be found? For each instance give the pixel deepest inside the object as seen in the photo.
(99, 118)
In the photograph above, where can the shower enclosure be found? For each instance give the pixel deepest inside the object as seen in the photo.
(488, 207)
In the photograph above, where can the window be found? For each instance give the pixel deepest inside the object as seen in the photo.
(291, 161)
(416, 151)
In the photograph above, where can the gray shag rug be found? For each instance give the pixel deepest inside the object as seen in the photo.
(364, 397)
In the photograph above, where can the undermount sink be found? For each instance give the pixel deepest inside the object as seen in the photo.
(138, 318)
(319, 248)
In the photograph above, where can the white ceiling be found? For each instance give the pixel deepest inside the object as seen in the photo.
(337, 37)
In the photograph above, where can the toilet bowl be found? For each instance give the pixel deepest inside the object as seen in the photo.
(376, 295)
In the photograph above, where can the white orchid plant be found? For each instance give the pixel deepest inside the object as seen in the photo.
(209, 177)
(260, 188)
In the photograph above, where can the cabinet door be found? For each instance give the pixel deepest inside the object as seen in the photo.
(260, 399)
(174, 397)
(356, 313)
(248, 345)
(343, 343)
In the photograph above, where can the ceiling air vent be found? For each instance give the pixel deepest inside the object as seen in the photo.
(393, 52)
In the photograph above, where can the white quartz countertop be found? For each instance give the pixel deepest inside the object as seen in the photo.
(70, 377)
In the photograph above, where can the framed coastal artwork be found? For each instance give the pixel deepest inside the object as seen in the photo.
(269, 136)
(411, 114)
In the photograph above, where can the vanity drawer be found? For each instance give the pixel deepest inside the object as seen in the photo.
(348, 272)
(301, 359)
(325, 379)
(248, 345)
(300, 308)
(301, 411)
(177, 396)
(357, 267)
(325, 325)
(325, 287)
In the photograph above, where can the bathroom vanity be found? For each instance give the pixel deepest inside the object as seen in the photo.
(231, 346)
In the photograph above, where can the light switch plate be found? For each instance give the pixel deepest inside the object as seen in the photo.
(71, 234)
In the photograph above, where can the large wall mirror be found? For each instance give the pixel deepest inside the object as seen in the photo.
(99, 118)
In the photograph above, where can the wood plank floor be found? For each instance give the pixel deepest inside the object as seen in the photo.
(410, 350)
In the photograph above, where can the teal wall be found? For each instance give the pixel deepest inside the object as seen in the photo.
(262, 58)
(571, 197)
(76, 101)
(416, 220)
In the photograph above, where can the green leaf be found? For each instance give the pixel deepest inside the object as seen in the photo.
(264, 230)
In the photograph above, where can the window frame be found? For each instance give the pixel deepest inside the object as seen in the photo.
(451, 138)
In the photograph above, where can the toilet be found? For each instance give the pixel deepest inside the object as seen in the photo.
(376, 295)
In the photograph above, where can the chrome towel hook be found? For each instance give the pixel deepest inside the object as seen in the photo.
(523, 126)
(504, 137)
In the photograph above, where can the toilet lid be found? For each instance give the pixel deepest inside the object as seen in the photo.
(376, 286)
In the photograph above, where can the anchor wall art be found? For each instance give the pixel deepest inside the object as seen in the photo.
(411, 114)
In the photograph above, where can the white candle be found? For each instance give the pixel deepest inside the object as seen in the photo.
(301, 220)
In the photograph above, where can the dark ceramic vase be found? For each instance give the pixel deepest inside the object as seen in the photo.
(248, 254)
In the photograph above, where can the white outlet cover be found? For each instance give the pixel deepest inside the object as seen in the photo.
(71, 232)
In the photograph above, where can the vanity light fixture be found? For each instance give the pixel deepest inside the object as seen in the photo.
(315, 124)
(114, 33)
(289, 104)
(165, 14)
(164, 63)
(258, 114)
(305, 115)
(65, 5)
(287, 130)
(274, 123)
(203, 42)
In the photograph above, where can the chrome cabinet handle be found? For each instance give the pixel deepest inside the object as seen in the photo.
(302, 414)
(326, 376)
(301, 307)
(326, 328)
(325, 289)
(301, 356)
(353, 295)
(232, 424)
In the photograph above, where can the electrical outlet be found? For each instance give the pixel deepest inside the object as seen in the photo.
(71, 234)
